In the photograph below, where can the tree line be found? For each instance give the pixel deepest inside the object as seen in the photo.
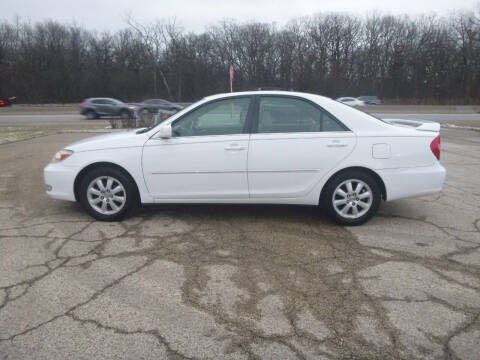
(424, 59)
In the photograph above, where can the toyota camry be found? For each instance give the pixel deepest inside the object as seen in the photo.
(254, 147)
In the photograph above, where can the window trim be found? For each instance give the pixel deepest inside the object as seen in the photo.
(255, 120)
(248, 119)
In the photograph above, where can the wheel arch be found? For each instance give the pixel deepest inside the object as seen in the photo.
(90, 167)
(375, 175)
(91, 110)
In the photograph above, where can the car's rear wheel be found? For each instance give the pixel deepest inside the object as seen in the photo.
(107, 193)
(91, 115)
(352, 197)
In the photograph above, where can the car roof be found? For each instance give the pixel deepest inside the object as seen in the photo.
(268, 92)
(101, 98)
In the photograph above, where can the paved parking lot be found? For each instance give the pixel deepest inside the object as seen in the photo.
(239, 282)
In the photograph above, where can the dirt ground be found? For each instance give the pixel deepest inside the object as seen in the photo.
(238, 282)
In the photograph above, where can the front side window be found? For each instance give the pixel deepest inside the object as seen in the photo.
(289, 115)
(223, 117)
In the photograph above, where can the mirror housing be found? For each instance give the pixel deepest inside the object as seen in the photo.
(165, 131)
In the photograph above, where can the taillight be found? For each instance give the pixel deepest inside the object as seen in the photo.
(2, 102)
(435, 147)
(81, 105)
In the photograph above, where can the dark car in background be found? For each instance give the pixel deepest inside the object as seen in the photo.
(153, 106)
(7, 101)
(370, 100)
(94, 108)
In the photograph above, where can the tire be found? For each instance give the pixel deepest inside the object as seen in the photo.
(93, 198)
(91, 115)
(125, 115)
(341, 207)
(145, 114)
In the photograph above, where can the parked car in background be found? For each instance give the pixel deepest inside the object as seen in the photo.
(147, 110)
(351, 101)
(254, 147)
(370, 100)
(7, 101)
(94, 108)
(153, 106)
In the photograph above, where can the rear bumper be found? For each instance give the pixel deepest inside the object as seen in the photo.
(412, 182)
(59, 181)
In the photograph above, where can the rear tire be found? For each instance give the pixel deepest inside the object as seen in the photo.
(351, 197)
(108, 194)
(91, 115)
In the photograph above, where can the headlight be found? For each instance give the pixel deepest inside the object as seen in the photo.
(61, 155)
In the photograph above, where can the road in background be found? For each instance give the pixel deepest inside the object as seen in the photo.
(42, 119)
(441, 118)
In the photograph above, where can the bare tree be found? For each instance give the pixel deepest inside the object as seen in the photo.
(423, 59)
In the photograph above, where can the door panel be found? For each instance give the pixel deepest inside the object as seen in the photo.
(290, 165)
(197, 167)
(106, 107)
(207, 156)
(296, 144)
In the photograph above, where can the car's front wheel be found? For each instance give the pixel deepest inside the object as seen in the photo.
(125, 115)
(107, 193)
(352, 197)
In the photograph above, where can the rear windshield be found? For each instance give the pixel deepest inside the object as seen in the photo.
(364, 112)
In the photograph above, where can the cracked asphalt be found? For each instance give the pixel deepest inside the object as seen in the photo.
(238, 282)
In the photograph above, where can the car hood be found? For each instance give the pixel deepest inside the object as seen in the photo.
(113, 140)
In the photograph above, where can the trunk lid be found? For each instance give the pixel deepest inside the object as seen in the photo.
(419, 125)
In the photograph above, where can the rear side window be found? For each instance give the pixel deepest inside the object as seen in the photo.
(289, 115)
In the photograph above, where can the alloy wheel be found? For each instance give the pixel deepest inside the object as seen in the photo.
(352, 199)
(106, 195)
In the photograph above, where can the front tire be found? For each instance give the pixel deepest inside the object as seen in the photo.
(107, 193)
(125, 115)
(351, 197)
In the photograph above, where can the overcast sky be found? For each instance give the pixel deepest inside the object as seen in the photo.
(196, 15)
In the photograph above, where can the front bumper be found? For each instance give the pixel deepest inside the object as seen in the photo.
(59, 181)
(412, 182)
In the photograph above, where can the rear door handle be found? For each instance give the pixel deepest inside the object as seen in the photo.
(336, 143)
(234, 147)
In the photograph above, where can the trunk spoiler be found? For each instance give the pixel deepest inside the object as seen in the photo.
(417, 124)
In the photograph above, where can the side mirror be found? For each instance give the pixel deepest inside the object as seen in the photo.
(165, 131)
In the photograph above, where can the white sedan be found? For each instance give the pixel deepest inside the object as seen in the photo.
(254, 147)
(351, 101)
